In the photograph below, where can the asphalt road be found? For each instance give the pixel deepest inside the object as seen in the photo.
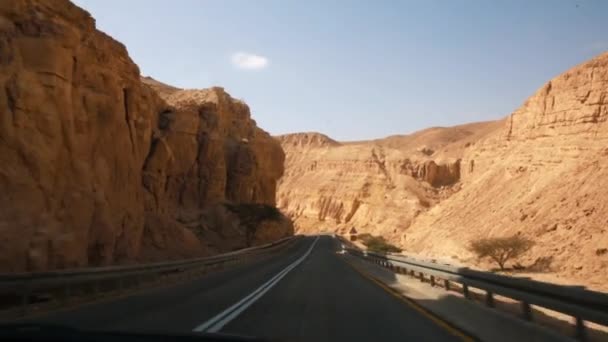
(307, 293)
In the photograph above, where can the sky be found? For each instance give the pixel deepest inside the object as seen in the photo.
(359, 69)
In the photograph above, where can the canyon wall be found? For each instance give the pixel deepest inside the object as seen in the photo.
(377, 186)
(540, 172)
(542, 175)
(96, 168)
(208, 151)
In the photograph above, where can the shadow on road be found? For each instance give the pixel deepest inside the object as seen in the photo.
(454, 297)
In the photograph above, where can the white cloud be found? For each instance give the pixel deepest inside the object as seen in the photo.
(249, 61)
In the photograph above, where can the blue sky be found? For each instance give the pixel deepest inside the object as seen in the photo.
(359, 69)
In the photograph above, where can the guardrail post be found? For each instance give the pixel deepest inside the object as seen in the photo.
(465, 291)
(581, 330)
(446, 285)
(432, 280)
(421, 277)
(489, 299)
(526, 311)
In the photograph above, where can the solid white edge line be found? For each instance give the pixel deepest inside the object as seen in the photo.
(210, 322)
(219, 325)
(220, 320)
(217, 317)
(216, 327)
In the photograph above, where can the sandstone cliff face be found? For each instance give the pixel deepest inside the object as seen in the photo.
(95, 168)
(207, 150)
(439, 174)
(377, 186)
(541, 173)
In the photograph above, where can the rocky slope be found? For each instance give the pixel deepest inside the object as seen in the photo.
(208, 150)
(542, 175)
(540, 172)
(377, 186)
(96, 168)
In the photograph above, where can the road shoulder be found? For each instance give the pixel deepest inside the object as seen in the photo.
(467, 317)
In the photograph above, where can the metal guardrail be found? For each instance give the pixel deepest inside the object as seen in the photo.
(27, 285)
(583, 305)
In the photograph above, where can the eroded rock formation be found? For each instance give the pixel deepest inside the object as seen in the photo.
(207, 150)
(377, 186)
(541, 173)
(95, 167)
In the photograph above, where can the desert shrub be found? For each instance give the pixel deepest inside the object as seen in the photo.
(378, 244)
(251, 215)
(501, 249)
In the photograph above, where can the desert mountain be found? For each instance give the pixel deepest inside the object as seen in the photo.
(378, 186)
(98, 167)
(541, 173)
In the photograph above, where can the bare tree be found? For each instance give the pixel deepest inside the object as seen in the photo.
(501, 249)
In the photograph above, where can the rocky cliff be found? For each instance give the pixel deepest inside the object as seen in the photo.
(207, 150)
(541, 173)
(96, 168)
(377, 186)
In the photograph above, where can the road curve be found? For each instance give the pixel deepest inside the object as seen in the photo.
(307, 293)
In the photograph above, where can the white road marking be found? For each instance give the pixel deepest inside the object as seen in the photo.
(220, 320)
